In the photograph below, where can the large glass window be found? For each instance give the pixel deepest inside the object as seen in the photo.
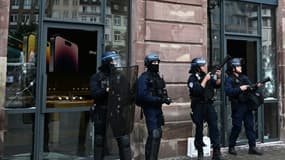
(21, 78)
(21, 56)
(19, 136)
(70, 62)
(116, 12)
(269, 69)
(76, 10)
(241, 17)
(68, 134)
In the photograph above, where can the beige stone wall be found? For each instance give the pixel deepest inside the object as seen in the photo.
(177, 31)
(281, 64)
(4, 19)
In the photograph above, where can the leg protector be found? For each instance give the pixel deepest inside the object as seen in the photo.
(200, 154)
(153, 144)
(124, 147)
(99, 147)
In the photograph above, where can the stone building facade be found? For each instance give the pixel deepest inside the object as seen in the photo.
(177, 32)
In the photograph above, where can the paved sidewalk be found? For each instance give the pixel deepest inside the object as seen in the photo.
(271, 151)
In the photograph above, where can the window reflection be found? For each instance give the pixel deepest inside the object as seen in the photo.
(75, 10)
(21, 56)
(116, 36)
(241, 17)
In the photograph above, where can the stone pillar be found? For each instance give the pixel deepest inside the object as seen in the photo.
(281, 62)
(4, 25)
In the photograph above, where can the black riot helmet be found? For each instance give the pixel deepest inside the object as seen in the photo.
(196, 63)
(235, 62)
(110, 59)
(151, 61)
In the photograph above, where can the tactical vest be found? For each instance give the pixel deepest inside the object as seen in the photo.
(155, 84)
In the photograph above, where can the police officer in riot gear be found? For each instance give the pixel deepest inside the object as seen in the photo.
(151, 94)
(235, 85)
(99, 84)
(201, 87)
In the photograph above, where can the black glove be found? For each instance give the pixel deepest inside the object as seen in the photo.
(166, 100)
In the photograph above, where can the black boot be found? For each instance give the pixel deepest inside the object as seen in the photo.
(200, 154)
(99, 148)
(232, 151)
(124, 147)
(253, 150)
(216, 154)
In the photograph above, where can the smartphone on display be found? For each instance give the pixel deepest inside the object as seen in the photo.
(64, 55)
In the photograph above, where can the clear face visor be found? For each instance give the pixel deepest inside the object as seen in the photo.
(116, 62)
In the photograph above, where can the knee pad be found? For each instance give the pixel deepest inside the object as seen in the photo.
(156, 133)
(124, 141)
(99, 140)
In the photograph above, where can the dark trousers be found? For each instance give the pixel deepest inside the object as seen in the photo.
(205, 112)
(241, 113)
(100, 123)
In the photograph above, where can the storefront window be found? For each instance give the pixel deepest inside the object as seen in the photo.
(21, 79)
(241, 17)
(69, 134)
(269, 51)
(269, 69)
(21, 56)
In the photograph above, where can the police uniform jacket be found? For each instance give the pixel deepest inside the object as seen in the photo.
(147, 86)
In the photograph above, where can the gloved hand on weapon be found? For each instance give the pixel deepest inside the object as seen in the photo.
(166, 100)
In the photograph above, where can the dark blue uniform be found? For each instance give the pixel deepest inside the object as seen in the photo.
(240, 110)
(149, 86)
(203, 109)
(150, 102)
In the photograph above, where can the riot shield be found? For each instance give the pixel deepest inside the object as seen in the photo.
(121, 101)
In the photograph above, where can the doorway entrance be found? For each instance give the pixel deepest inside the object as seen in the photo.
(247, 49)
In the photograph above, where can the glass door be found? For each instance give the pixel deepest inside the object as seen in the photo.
(70, 57)
(247, 49)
